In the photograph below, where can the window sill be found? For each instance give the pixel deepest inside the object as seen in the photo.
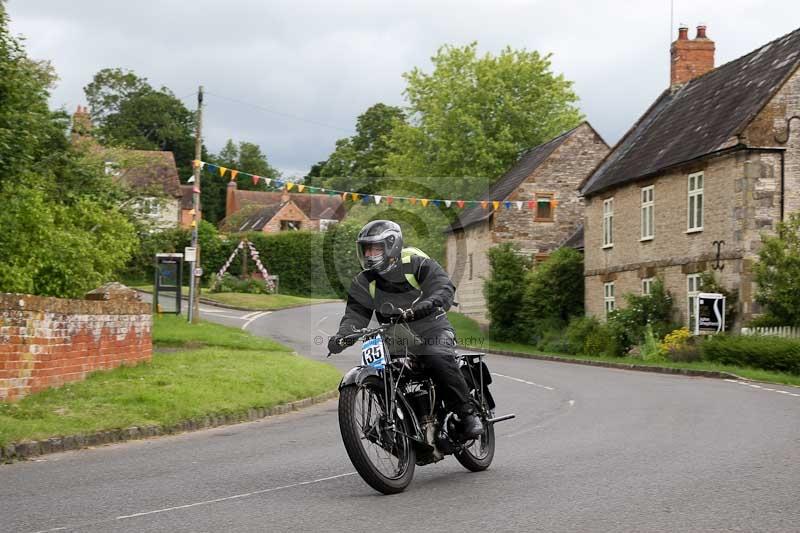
(645, 239)
(693, 230)
(608, 246)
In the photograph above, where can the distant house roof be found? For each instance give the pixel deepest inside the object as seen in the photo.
(508, 183)
(314, 206)
(256, 220)
(575, 240)
(700, 117)
(151, 170)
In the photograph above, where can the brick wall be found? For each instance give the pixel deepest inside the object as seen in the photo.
(46, 342)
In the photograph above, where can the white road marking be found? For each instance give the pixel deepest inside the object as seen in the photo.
(571, 403)
(523, 381)
(54, 529)
(234, 497)
(255, 317)
(753, 385)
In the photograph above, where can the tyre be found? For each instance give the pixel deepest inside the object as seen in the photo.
(477, 454)
(385, 459)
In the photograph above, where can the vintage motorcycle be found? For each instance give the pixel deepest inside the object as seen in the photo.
(392, 419)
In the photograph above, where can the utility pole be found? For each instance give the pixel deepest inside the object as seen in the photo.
(194, 286)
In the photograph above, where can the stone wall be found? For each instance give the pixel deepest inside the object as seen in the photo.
(289, 212)
(46, 342)
(464, 248)
(741, 202)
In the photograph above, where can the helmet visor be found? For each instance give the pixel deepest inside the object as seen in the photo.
(371, 254)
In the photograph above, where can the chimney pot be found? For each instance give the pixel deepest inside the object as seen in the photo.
(690, 59)
(701, 32)
(683, 32)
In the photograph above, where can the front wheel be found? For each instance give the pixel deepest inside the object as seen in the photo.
(383, 457)
(477, 454)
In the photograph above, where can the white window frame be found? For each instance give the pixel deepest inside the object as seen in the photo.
(648, 230)
(695, 202)
(608, 222)
(609, 300)
(647, 286)
(692, 290)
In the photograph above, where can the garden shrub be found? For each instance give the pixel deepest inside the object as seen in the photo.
(759, 351)
(650, 349)
(502, 290)
(628, 323)
(578, 331)
(604, 341)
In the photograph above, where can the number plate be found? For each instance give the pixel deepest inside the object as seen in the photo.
(372, 353)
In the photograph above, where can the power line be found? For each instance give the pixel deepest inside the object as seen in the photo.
(280, 113)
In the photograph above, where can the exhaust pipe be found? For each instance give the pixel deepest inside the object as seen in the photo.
(501, 418)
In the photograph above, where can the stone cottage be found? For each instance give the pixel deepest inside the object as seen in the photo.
(712, 165)
(546, 179)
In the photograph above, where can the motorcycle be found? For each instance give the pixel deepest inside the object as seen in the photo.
(391, 418)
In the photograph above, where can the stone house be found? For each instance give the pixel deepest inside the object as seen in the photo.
(151, 174)
(271, 212)
(711, 166)
(545, 179)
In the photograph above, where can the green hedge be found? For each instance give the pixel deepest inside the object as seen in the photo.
(758, 351)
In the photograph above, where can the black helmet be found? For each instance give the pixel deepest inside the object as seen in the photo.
(386, 234)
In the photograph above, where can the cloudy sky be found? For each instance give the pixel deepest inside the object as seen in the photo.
(293, 76)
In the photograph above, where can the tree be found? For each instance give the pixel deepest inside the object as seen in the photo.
(504, 299)
(778, 272)
(472, 116)
(358, 159)
(245, 156)
(62, 234)
(129, 112)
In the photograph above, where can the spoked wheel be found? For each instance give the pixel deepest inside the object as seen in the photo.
(383, 457)
(477, 454)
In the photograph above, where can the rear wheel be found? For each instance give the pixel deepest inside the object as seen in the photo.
(477, 454)
(383, 457)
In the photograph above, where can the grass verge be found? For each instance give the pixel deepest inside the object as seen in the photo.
(217, 370)
(470, 336)
(255, 302)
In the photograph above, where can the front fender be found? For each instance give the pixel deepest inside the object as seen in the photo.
(357, 375)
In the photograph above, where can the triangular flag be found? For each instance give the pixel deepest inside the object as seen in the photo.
(344, 196)
(222, 171)
(531, 204)
(313, 189)
(194, 223)
(289, 186)
(424, 202)
(196, 190)
(354, 195)
(519, 206)
(365, 199)
(300, 187)
(484, 204)
(460, 203)
(553, 203)
(197, 163)
(412, 201)
(507, 204)
(495, 204)
(389, 200)
(255, 179)
(192, 212)
(267, 180)
(437, 203)
(234, 173)
(211, 168)
(191, 179)
(377, 199)
(447, 203)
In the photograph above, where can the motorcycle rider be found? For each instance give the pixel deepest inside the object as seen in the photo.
(409, 282)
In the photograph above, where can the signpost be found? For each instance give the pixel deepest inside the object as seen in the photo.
(709, 310)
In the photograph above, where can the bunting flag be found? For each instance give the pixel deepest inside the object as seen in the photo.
(369, 199)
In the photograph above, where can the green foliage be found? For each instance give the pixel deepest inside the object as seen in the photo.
(230, 283)
(604, 341)
(62, 234)
(778, 272)
(472, 116)
(553, 293)
(709, 283)
(360, 158)
(650, 349)
(580, 328)
(765, 321)
(129, 112)
(768, 353)
(629, 323)
(504, 299)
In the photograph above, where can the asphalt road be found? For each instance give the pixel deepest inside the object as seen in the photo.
(592, 449)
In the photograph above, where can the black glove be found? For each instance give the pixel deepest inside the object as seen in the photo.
(334, 346)
(423, 308)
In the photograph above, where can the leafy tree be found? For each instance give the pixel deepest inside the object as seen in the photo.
(472, 116)
(129, 112)
(778, 272)
(245, 156)
(62, 234)
(504, 299)
(361, 157)
(553, 293)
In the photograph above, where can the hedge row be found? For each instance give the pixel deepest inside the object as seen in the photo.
(758, 351)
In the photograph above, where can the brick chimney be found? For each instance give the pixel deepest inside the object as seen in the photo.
(81, 124)
(231, 205)
(690, 58)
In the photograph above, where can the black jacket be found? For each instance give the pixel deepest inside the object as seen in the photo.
(435, 285)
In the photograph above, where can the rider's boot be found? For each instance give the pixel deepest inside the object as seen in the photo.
(470, 426)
